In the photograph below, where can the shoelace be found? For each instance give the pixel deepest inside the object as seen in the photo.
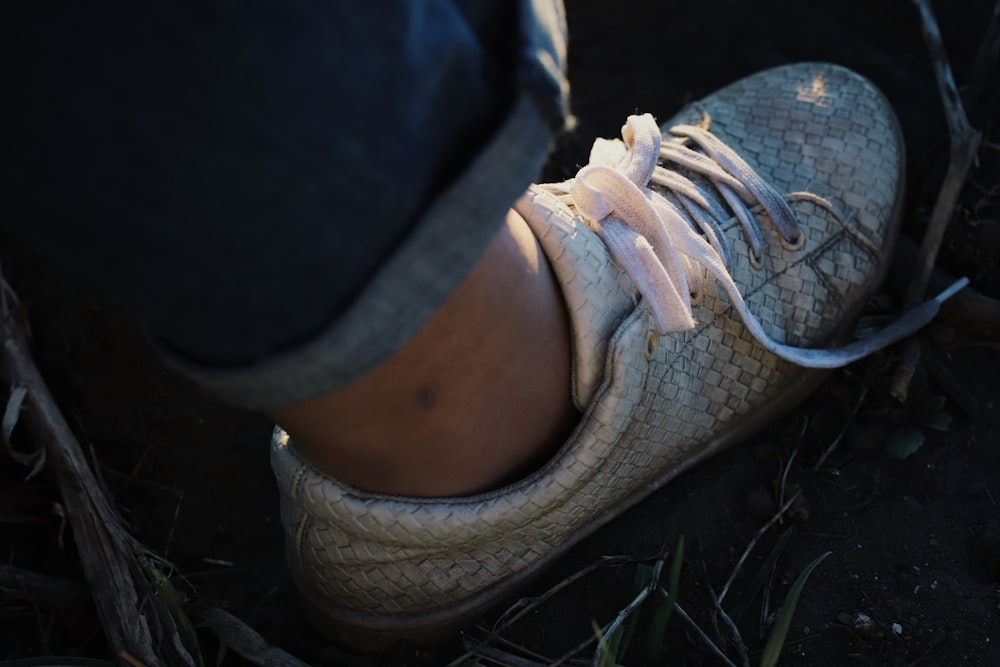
(669, 251)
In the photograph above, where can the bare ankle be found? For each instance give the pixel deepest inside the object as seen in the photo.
(478, 397)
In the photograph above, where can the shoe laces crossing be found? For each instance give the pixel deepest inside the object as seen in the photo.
(670, 250)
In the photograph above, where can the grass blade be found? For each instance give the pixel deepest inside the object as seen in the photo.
(644, 576)
(605, 657)
(172, 600)
(618, 633)
(772, 650)
(758, 581)
(658, 626)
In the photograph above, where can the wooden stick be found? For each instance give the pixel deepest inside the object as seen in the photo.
(245, 641)
(964, 147)
(958, 122)
(135, 620)
(982, 75)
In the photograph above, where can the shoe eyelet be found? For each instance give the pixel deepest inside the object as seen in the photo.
(651, 343)
(792, 246)
(696, 297)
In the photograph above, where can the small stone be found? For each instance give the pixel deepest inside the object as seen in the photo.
(897, 629)
(865, 626)
(799, 511)
(863, 622)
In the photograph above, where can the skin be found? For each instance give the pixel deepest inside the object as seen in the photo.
(478, 398)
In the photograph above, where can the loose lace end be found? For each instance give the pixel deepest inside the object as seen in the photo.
(952, 289)
(907, 325)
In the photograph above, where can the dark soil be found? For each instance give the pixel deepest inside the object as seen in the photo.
(914, 544)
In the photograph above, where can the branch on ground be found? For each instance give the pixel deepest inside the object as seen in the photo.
(135, 619)
(964, 147)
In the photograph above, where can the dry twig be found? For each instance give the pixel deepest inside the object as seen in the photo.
(964, 146)
(983, 72)
(753, 543)
(526, 605)
(135, 621)
(244, 640)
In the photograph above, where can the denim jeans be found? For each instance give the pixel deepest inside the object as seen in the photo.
(283, 192)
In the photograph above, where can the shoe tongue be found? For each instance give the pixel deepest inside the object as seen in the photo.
(597, 293)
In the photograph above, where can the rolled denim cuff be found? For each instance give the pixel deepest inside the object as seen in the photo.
(410, 286)
(441, 250)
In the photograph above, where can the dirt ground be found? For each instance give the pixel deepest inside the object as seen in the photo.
(913, 575)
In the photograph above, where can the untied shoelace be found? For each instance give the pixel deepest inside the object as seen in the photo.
(669, 251)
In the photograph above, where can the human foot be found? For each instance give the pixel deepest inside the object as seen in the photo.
(662, 382)
(478, 398)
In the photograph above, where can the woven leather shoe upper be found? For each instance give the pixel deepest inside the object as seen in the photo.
(653, 404)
